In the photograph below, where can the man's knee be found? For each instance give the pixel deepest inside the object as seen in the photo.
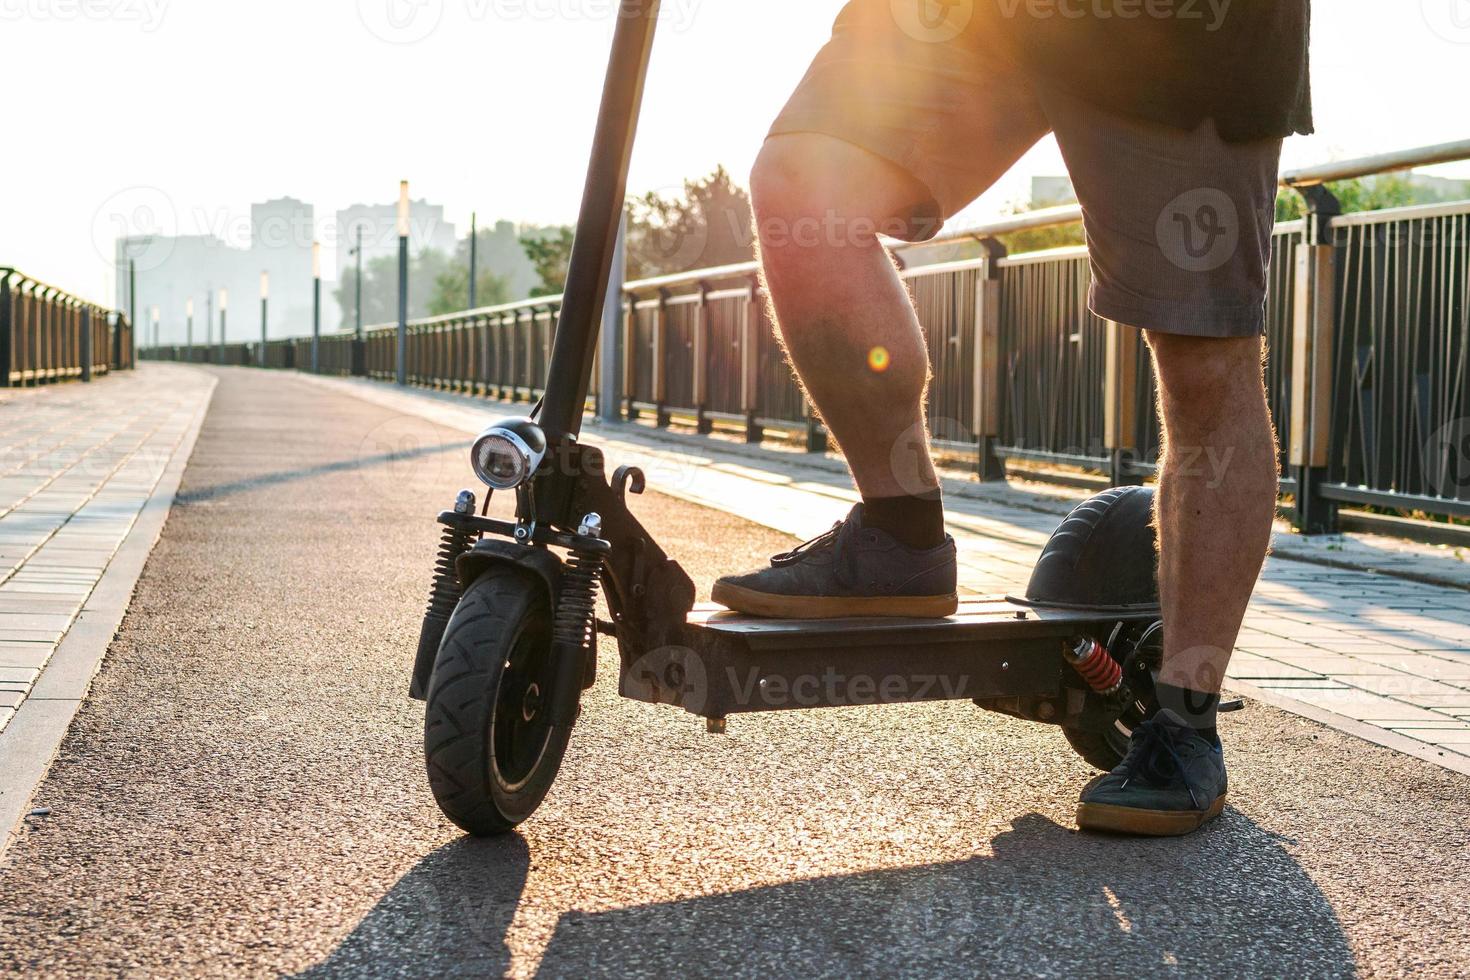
(812, 190)
(1196, 372)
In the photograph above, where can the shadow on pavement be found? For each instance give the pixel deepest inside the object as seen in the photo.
(452, 910)
(1227, 901)
(394, 458)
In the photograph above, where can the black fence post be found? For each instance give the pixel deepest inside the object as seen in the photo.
(86, 338)
(1311, 368)
(701, 358)
(988, 464)
(6, 346)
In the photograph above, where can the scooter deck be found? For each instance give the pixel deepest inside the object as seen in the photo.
(730, 663)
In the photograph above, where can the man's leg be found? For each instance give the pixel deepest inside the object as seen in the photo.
(1216, 501)
(842, 312)
(853, 337)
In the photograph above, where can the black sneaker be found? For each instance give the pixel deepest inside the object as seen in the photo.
(851, 570)
(1171, 781)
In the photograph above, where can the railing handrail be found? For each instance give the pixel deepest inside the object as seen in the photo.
(31, 282)
(1065, 214)
(1422, 156)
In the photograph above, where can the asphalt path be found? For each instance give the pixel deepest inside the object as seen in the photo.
(243, 793)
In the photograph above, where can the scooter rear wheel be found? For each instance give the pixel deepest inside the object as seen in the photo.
(1141, 650)
(489, 747)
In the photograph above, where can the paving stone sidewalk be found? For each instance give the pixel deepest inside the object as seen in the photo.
(77, 464)
(1366, 650)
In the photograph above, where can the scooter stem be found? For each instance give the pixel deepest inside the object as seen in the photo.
(575, 342)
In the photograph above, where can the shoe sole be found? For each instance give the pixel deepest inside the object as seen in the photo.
(1114, 819)
(755, 603)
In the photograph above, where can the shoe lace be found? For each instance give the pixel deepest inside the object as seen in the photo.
(827, 539)
(1153, 756)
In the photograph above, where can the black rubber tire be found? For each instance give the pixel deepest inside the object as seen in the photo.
(1101, 750)
(489, 774)
(1104, 750)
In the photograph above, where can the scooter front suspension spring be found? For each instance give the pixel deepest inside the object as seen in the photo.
(445, 592)
(443, 597)
(576, 608)
(1098, 668)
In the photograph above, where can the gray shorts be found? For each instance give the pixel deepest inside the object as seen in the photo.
(1178, 223)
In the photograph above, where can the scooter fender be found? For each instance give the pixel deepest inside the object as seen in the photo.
(543, 566)
(546, 566)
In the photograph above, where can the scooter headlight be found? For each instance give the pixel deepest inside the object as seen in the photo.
(506, 455)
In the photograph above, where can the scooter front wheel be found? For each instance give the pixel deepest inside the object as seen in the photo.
(489, 747)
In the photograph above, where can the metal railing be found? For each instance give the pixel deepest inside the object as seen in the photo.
(49, 335)
(1368, 330)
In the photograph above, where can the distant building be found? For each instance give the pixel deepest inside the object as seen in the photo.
(379, 225)
(1047, 192)
(173, 270)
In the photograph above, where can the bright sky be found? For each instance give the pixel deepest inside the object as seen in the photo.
(202, 106)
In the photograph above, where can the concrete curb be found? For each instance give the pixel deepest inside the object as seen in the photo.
(30, 741)
(1284, 547)
(1349, 726)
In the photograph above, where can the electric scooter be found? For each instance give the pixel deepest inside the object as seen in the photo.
(508, 642)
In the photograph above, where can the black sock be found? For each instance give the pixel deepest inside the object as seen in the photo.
(1197, 708)
(917, 522)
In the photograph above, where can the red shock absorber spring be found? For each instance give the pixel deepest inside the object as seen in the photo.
(1098, 668)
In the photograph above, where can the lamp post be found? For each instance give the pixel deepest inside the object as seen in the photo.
(154, 312)
(189, 329)
(357, 307)
(402, 282)
(473, 245)
(265, 295)
(224, 302)
(132, 312)
(316, 307)
(359, 353)
(205, 351)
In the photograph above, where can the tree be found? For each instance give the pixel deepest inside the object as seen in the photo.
(380, 287)
(550, 251)
(708, 224)
(1359, 194)
(452, 289)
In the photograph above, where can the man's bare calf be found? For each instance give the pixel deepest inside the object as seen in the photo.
(1216, 498)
